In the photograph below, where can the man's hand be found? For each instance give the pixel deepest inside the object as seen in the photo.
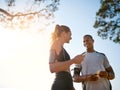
(103, 74)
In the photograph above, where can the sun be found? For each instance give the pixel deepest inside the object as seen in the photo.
(24, 59)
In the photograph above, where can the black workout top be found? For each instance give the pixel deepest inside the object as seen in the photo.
(63, 56)
(63, 79)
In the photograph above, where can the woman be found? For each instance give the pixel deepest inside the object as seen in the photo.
(59, 60)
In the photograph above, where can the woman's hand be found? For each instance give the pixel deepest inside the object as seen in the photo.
(78, 59)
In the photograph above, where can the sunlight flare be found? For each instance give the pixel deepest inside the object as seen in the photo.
(24, 60)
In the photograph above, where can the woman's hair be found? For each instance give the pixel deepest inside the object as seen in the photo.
(58, 30)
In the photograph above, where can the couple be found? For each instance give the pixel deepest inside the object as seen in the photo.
(94, 66)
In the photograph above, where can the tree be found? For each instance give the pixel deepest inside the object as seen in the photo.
(25, 14)
(108, 20)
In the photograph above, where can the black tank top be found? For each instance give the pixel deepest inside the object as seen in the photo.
(63, 56)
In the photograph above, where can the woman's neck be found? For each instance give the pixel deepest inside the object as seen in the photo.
(60, 43)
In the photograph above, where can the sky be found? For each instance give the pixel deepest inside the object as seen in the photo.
(24, 55)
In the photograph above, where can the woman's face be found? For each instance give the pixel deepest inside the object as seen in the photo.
(67, 37)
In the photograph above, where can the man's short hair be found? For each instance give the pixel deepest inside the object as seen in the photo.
(88, 35)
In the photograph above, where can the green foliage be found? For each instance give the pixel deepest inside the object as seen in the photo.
(108, 20)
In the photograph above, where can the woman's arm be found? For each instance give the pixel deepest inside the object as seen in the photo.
(60, 66)
(63, 66)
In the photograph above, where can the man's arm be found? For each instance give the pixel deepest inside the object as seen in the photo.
(111, 74)
(91, 77)
(78, 78)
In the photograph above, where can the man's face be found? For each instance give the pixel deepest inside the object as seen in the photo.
(88, 42)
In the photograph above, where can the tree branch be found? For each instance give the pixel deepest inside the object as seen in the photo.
(6, 13)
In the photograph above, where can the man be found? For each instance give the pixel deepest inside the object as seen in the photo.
(95, 71)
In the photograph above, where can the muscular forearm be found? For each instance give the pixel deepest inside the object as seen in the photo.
(91, 77)
(111, 76)
(77, 78)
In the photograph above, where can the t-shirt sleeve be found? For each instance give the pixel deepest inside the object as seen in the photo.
(106, 62)
(52, 56)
